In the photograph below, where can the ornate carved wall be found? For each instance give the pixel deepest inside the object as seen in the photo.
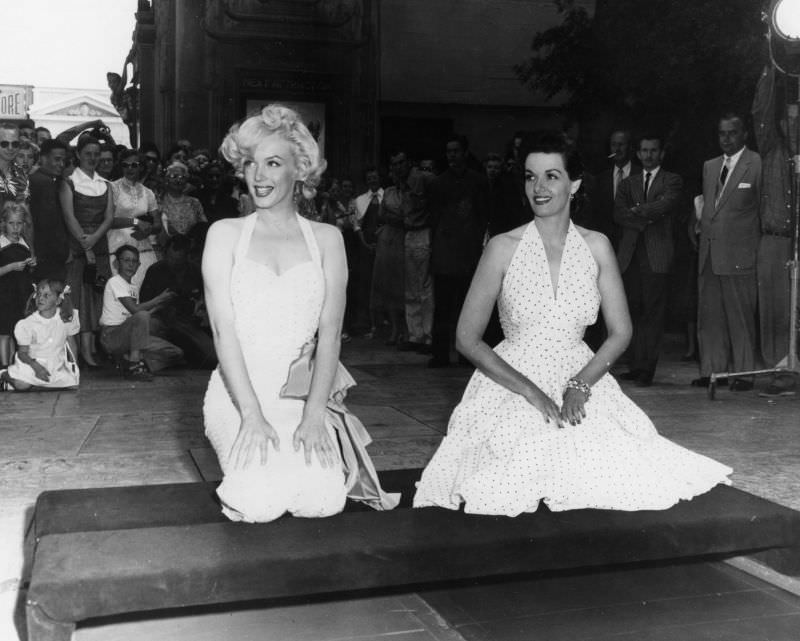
(211, 60)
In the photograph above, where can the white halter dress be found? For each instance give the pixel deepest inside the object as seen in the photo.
(275, 317)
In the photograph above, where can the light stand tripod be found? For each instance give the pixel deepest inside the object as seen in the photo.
(789, 364)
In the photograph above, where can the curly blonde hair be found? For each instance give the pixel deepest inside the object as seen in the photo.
(244, 137)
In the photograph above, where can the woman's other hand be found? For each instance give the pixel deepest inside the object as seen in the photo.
(313, 437)
(544, 404)
(573, 410)
(252, 442)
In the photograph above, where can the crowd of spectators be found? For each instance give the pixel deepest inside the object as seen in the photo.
(413, 237)
(118, 233)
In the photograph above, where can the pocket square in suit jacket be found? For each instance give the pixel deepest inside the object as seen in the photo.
(744, 186)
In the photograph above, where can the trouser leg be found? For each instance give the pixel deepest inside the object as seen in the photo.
(740, 300)
(712, 331)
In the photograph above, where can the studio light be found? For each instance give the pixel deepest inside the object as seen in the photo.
(784, 35)
(785, 20)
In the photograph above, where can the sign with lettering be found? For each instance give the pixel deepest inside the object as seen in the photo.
(309, 84)
(15, 100)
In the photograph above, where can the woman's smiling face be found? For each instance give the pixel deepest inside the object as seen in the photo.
(548, 187)
(271, 172)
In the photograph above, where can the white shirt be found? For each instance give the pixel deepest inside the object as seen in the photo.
(88, 186)
(114, 312)
(731, 162)
(626, 171)
(362, 202)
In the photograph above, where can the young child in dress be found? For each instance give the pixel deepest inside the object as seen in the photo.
(45, 342)
(16, 263)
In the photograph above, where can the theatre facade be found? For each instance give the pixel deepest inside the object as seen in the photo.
(367, 75)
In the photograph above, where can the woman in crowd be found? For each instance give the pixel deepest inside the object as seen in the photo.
(179, 212)
(275, 280)
(27, 156)
(542, 419)
(88, 211)
(135, 209)
(387, 295)
(16, 263)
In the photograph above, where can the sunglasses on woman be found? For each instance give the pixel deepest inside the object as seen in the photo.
(5, 144)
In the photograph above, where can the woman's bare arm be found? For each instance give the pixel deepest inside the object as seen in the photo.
(254, 432)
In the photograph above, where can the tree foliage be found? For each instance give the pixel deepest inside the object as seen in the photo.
(685, 59)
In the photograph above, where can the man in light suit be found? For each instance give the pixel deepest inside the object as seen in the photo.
(729, 236)
(645, 207)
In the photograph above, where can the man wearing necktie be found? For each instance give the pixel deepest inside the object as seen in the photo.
(645, 208)
(607, 185)
(728, 244)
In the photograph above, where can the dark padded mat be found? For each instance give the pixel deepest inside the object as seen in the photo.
(87, 574)
(120, 508)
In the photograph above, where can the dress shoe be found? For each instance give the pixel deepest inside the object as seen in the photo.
(741, 385)
(774, 390)
(436, 363)
(632, 375)
(645, 379)
(423, 348)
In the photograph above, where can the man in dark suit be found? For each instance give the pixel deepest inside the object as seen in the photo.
(644, 208)
(729, 236)
(458, 201)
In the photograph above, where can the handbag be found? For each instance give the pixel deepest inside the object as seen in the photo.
(361, 477)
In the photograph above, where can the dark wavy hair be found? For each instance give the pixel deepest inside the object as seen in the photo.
(553, 142)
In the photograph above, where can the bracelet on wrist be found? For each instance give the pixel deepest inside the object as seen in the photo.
(579, 385)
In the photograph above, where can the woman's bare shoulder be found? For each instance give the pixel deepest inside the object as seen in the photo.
(507, 242)
(225, 231)
(500, 248)
(325, 233)
(598, 243)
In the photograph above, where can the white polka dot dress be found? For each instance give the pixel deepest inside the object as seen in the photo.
(501, 457)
